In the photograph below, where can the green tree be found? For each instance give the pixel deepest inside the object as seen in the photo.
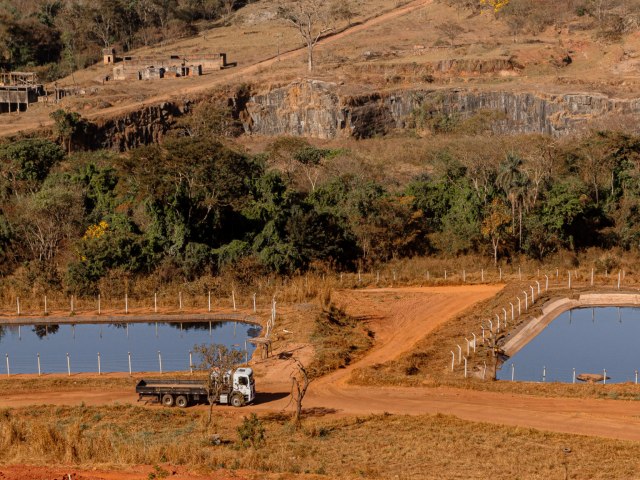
(495, 225)
(514, 182)
(26, 164)
(67, 125)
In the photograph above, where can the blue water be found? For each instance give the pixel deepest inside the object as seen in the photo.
(114, 342)
(587, 339)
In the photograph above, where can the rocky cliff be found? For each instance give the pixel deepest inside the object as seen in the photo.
(318, 109)
(140, 127)
(321, 110)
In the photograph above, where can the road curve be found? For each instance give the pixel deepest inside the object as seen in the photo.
(400, 317)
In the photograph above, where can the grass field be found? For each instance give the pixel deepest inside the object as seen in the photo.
(382, 446)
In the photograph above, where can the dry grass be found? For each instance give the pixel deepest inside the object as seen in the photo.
(381, 446)
(338, 340)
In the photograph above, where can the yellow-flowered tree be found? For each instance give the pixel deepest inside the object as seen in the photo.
(495, 5)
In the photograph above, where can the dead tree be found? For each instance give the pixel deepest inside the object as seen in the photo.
(312, 18)
(300, 381)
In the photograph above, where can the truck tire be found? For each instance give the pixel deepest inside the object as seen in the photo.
(168, 400)
(237, 400)
(182, 401)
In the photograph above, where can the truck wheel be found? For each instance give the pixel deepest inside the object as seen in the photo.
(237, 400)
(182, 401)
(167, 400)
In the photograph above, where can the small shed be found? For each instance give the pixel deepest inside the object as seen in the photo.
(109, 55)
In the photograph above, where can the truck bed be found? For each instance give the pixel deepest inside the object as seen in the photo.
(155, 387)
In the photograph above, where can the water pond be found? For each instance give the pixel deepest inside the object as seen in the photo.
(589, 340)
(151, 346)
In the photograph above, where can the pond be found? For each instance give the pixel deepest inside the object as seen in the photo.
(589, 340)
(151, 346)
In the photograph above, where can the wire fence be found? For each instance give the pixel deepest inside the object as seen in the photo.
(516, 310)
(100, 363)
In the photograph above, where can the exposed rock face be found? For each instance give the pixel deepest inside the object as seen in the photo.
(306, 108)
(140, 127)
(317, 109)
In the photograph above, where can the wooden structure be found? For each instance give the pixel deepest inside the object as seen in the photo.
(18, 90)
(264, 344)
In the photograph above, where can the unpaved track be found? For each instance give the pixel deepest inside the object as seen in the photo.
(400, 317)
(225, 77)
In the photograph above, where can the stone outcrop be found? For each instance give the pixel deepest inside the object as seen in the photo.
(140, 127)
(317, 109)
(323, 110)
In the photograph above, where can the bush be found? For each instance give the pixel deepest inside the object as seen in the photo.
(251, 432)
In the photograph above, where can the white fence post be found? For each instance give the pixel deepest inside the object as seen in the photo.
(129, 357)
(160, 361)
(40, 371)
(533, 300)
(99, 365)
(68, 365)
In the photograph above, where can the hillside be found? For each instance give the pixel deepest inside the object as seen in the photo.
(440, 47)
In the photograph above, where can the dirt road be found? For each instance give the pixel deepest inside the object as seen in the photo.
(400, 317)
(26, 124)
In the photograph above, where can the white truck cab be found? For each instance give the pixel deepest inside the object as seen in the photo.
(244, 383)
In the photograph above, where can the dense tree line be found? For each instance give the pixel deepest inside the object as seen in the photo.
(193, 206)
(60, 36)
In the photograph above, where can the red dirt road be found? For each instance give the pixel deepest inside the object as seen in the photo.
(400, 317)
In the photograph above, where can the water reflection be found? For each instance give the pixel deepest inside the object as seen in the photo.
(589, 340)
(42, 331)
(114, 341)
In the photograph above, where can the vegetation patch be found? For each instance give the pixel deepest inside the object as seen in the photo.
(338, 340)
(122, 436)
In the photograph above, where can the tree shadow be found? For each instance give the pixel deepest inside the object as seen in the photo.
(267, 397)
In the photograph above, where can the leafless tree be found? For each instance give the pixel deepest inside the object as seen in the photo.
(216, 360)
(312, 18)
(451, 30)
(300, 381)
(227, 7)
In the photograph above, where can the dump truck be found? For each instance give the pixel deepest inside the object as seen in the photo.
(235, 387)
